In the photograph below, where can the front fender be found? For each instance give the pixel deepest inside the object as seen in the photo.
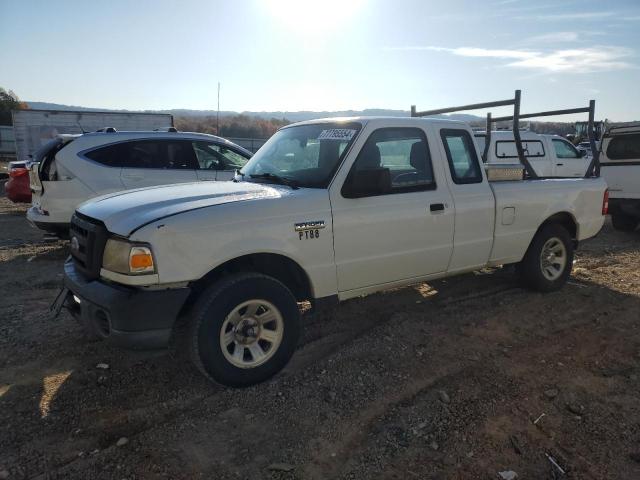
(185, 253)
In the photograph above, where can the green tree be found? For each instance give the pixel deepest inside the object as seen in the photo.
(9, 101)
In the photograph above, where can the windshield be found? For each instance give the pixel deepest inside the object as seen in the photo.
(306, 155)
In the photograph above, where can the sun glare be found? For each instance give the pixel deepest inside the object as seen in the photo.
(312, 17)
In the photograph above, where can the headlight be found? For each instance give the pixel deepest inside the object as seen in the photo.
(128, 258)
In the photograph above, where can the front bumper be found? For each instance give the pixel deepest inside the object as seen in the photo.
(127, 317)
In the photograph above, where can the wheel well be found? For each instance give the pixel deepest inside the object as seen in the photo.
(566, 220)
(277, 266)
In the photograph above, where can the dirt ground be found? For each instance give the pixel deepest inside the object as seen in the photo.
(461, 378)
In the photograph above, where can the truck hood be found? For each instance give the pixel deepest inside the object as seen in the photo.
(124, 212)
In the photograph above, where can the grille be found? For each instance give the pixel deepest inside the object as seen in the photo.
(88, 238)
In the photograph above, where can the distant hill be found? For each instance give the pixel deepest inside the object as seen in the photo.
(290, 116)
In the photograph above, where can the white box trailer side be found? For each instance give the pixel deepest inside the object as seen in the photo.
(32, 128)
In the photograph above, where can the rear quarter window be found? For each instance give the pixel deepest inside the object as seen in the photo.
(109, 155)
(461, 155)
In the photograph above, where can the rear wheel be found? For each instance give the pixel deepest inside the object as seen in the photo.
(549, 259)
(245, 329)
(624, 222)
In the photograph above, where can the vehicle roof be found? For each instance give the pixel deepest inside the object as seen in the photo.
(627, 127)
(376, 120)
(155, 133)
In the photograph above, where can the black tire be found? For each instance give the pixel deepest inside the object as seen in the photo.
(208, 318)
(531, 269)
(624, 222)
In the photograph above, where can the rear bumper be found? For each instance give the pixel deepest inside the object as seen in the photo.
(127, 317)
(46, 222)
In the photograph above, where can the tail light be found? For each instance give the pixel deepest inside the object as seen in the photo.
(605, 202)
(18, 172)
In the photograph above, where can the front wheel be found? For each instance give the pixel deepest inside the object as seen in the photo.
(245, 329)
(549, 259)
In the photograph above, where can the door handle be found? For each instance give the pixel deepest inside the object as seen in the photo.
(436, 207)
(559, 164)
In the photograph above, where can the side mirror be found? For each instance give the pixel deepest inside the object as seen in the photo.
(583, 153)
(367, 183)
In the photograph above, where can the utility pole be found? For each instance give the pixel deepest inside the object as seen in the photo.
(218, 114)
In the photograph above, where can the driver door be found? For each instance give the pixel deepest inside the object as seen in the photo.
(568, 161)
(404, 232)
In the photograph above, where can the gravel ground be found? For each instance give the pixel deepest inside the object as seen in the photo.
(460, 378)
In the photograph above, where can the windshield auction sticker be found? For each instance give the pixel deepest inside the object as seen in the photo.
(337, 134)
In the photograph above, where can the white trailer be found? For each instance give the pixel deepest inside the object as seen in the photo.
(33, 128)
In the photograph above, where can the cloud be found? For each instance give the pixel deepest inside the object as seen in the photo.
(555, 37)
(480, 52)
(470, 51)
(578, 60)
(570, 16)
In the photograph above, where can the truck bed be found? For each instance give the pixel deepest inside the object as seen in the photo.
(521, 206)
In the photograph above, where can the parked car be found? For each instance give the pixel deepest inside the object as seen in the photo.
(73, 168)
(549, 155)
(325, 211)
(620, 163)
(17, 187)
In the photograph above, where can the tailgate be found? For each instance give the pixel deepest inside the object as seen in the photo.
(34, 177)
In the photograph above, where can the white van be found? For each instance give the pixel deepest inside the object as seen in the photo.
(549, 155)
(620, 167)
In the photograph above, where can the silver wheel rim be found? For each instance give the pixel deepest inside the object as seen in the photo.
(553, 259)
(251, 333)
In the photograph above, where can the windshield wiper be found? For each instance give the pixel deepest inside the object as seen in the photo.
(277, 179)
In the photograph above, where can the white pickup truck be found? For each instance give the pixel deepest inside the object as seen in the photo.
(325, 211)
(621, 169)
(549, 155)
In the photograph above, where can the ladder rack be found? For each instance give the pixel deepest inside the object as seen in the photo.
(594, 167)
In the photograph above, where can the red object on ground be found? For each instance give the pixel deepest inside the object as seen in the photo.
(17, 187)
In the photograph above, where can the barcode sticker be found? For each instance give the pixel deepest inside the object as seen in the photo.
(337, 134)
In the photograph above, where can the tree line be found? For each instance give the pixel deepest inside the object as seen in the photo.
(238, 126)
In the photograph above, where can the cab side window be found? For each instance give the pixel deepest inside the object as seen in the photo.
(404, 152)
(461, 155)
(565, 149)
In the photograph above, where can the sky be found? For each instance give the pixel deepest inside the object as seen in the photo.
(292, 55)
